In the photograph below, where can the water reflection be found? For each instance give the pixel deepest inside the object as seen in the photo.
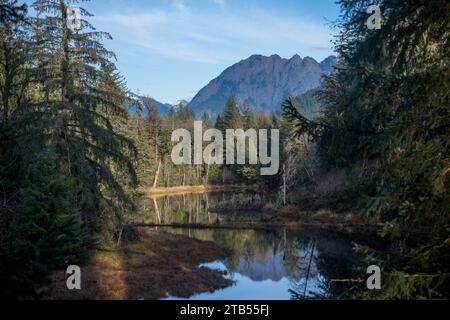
(206, 208)
(265, 264)
(281, 264)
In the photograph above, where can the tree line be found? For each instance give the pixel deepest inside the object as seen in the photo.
(73, 158)
(66, 169)
(385, 123)
(152, 131)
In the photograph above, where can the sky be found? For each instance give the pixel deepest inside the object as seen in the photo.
(170, 49)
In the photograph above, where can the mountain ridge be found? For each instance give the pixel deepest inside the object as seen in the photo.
(263, 81)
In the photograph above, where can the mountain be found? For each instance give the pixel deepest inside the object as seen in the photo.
(265, 82)
(161, 107)
(145, 103)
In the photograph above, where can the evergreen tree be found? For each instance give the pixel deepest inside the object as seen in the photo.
(249, 173)
(219, 123)
(48, 234)
(248, 116)
(11, 13)
(206, 120)
(231, 118)
(387, 111)
(84, 96)
(15, 111)
(148, 142)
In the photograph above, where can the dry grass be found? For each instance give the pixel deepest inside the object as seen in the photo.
(327, 216)
(157, 265)
(291, 214)
(154, 192)
(180, 190)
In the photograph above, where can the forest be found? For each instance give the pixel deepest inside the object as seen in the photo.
(77, 152)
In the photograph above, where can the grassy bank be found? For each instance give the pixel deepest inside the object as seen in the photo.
(179, 190)
(151, 266)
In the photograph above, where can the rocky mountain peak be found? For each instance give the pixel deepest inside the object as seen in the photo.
(263, 81)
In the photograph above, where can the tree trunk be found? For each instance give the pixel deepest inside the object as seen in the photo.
(284, 184)
(158, 215)
(207, 176)
(168, 176)
(155, 182)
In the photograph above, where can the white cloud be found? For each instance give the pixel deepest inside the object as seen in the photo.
(135, 21)
(180, 6)
(219, 2)
(180, 32)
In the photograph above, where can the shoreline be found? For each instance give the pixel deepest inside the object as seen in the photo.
(287, 217)
(154, 265)
(180, 190)
(293, 225)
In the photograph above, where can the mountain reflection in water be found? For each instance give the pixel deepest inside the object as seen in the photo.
(280, 264)
(264, 264)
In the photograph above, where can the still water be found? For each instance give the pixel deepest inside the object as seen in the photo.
(264, 264)
(207, 208)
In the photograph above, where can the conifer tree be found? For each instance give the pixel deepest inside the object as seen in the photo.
(231, 118)
(48, 234)
(84, 95)
(206, 120)
(248, 116)
(387, 112)
(11, 13)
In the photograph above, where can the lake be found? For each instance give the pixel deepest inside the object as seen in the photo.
(279, 264)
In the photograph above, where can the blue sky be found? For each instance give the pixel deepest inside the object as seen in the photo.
(170, 49)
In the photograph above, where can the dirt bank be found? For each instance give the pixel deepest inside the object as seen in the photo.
(157, 265)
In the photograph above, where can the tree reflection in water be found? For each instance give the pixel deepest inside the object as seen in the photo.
(272, 264)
